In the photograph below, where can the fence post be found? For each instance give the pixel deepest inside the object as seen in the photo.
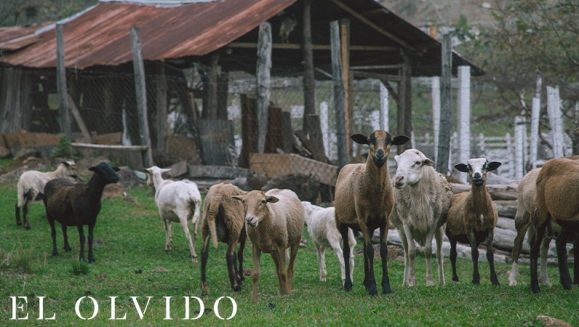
(435, 113)
(384, 107)
(339, 100)
(509, 146)
(141, 92)
(555, 119)
(61, 83)
(309, 81)
(535, 116)
(520, 131)
(463, 116)
(161, 108)
(325, 124)
(263, 83)
(442, 160)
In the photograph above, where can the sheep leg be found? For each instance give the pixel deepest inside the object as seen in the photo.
(90, 239)
(65, 236)
(517, 245)
(544, 251)
(564, 277)
(453, 256)
(320, 251)
(491, 258)
(352, 241)
(474, 255)
(404, 241)
(240, 276)
(384, 255)
(256, 273)
(439, 234)
(369, 279)
(279, 256)
(53, 234)
(535, 245)
(290, 268)
(335, 244)
(411, 281)
(204, 257)
(343, 229)
(576, 260)
(189, 240)
(27, 202)
(17, 214)
(82, 239)
(231, 263)
(428, 255)
(168, 238)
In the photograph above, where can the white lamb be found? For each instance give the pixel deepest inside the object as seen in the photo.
(322, 228)
(178, 201)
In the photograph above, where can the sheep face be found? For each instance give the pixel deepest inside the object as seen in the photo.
(152, 172)
(477, 170)
(380, 143)
(107, 172)
(255, 206)
(71, 167)
(410, 167)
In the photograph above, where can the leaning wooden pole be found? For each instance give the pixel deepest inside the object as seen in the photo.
(339, 99)
(61, 83)
(445, 106)
(141, 92)
(263, 83)
(309, 82)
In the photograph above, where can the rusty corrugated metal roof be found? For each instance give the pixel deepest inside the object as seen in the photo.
(101, 35)
(16, 37)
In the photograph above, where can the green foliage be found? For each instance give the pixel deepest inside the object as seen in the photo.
(80, 267)
(64, 147)
(462, 30)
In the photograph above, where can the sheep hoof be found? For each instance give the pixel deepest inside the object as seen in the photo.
(236, 288)
(55, 254)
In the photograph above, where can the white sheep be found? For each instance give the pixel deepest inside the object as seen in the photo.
(31, 187)
(178, 201)
(364, 201)
(422, 198)
(526, 192)
(274, 222)
(322, 229)
(472, 217)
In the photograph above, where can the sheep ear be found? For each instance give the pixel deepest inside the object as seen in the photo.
(428, 162)
(65, 163)
(359, 138)
(400, 139)
(396, 158)
(271, 198)
(461, 167)
(116, 168)
(237, 198)
(93, 168)
(493, 165)
(164, 170)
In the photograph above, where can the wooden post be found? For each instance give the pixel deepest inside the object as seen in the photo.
(463, 116)
(407, 85)
(263, 83)
(212, 96)
(535, 116)
(287, 131)
(61, 83)
(384, 110)
(435, 113)
(141, 92)
(346, 82)
(79, 120)
(161, 108)
(445, 106)
(316, 139)
(555, 119)
(309, 82)
(325, 125)
(10, 95)
(520, 132)
(339, 91)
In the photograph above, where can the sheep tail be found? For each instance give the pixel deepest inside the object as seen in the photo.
(21, 193)
(212, 211)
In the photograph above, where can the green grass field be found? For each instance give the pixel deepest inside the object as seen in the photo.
(131, 262)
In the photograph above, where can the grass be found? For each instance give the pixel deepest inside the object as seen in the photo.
(131, 262)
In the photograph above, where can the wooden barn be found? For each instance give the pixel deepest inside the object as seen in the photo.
(211, 39)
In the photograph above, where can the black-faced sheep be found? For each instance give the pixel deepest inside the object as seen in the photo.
(364, 201)
(472, 217)
(77, 205)
(274, 222)
(31, 187)
(556, 199)
(422, 198)
(224, 221)
(322, 229)
(178, 201)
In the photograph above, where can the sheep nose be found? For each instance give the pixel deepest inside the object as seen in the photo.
(380, 154)
(477, 176)
(399, 181)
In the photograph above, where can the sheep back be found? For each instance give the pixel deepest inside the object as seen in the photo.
(62, 204)
(462, 218)
(220, 207)
(558, 190)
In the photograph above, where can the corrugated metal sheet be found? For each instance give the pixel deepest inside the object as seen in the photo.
(101, 36)
(16, 37)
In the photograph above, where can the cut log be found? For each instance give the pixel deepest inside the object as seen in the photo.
(497, 191)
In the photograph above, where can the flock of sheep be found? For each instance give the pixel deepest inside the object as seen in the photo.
(419, 202)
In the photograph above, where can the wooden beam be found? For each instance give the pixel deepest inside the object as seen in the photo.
(372, 25)
(79, 120)
(61, 83)
(388, 77)
(376, 67)
(338, 94)
(263, 83)
(295, 46)
(309, 82)
(445, 106)
(348, 84)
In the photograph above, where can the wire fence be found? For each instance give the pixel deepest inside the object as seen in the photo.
(106, 102)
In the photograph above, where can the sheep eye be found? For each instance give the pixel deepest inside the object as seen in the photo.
(262, 201)
(417, 163)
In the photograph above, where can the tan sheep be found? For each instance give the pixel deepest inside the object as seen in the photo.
(274, 222)
(364, 201)
(526, 192)
(422, 199)
(472, 217)
(556, 199)
(224, 221)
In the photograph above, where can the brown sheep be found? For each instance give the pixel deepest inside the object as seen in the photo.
(556, 199)
(364, 201)
(472, 217)
(274, 222)
(224, 221)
